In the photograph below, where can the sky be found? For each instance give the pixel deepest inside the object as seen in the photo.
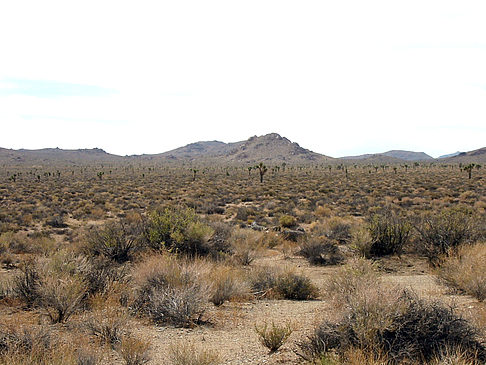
(338, 77)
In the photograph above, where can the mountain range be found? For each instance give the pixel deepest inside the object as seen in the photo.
(270, 149)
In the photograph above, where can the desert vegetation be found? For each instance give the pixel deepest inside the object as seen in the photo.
(222, 264)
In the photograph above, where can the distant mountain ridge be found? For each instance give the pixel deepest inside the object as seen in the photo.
(392, 156)
(270, 149)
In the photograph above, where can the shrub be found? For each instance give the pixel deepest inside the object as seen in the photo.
(319, 252)
(438, 234)
(397, 325)
(358, 274)
(188, 354)
(134, 351)
(109, 325)
(171, 292)
(389, 233)
(61, 296)
(274, 336)
(296, 287)
(339, 230)
(275, 283)
(464, 270)
(287, 221)
(117, 241)
(27, 283)
(179, 230)
(245, 244)
(227, 285)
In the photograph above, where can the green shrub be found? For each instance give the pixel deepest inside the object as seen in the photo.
(178, 230)
(287, 221)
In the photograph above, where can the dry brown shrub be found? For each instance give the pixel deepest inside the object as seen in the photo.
(465, 270)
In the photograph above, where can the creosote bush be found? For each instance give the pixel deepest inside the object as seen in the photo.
(273, 336)
(178, 230)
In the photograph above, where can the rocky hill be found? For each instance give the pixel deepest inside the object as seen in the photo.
(270, 148)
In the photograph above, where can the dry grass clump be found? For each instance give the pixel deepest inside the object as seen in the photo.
(171, 291)
(39, 345)
(389, 325)
(270, 282)
(108, 325)
(245, 244)
(183, 353)
(134, 351)
(274, 336)
(227, 284)
(465, 270)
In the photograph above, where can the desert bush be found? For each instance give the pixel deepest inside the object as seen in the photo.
(320, 252)
(361, 242)
(171, 292)
(287, 221)
(396, 324)
(358, 274)
(276, 283)
(245, 245)
(178, 230)
(134, 350)
(61, 296)
(389, 233)
(183, 353)
(26, 284)
(464, 270)
(101, 273)
(108, 325)
(117, 241)
(34, 345)
(227, 285)
(338, 230)
(440, 233)
(274, 336)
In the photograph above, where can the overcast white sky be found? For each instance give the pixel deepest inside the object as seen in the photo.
(338, 77)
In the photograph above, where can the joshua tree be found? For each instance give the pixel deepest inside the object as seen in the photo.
(194, 172)
(262, 169)
(469, 168)
(249, 170)
(100, 175)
